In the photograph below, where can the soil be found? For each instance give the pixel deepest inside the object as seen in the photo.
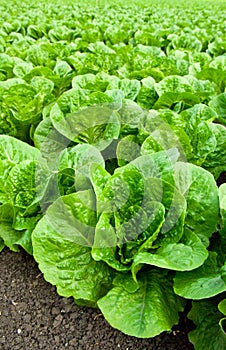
(33, 316)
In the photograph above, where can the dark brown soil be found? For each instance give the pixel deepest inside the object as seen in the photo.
(33, 316)
(222, 178)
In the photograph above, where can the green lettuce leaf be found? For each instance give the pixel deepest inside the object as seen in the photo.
(96, 125)
(142, 313)
(17, 171)
(215, 161)
(69, 265)
(79, 158)
(74, 217)
(201, 193)
(218, 104)
(209, 333)
(204, 282)
(11, 234)
(188, 254)
(127, 149)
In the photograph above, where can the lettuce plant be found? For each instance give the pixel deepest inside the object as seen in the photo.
(112, 142)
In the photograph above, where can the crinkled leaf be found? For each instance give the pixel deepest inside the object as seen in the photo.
(24, 187)
(74, 217)
(218, 104)
(79, 158)
(176, 84)
(215, 161)
(94, 125)
(201, 193)
(185, 255)
(11, 237)
(99, 178)
(123, 190)
(25, 104)
(142, 313)
(203, 282)
(199, 130)
(127, 149)
(69, 266)
(15, 151)
(208, 334)
(130, 88)
(130, 115)
(171, 99)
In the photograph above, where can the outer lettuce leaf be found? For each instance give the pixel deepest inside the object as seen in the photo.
(48, 139)
(218, 103)
(13, 235)
(201, 193)
(147, 95)
(175, 84)
(10, 237)
(89, 82)
(130, 88)
(164, 130)
(215, 161)
(20, 187)
(200, 112)
(142, 313)
(131, 115)
(127, 149)
(179, 101)
(17, 171)
(204, 282)
(209, 333)
(15, 151)
(214, 75)
(69, 266)
(199, 131)
(166, 138)
(202, 88)
(74, 217)
(96, 125)
(174, 88)
(25, 186)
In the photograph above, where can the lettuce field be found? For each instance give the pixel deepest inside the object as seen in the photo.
(113, 157)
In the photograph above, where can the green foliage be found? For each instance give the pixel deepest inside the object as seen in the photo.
(112, 137)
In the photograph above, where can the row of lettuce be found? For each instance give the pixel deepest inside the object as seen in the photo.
(113, 139)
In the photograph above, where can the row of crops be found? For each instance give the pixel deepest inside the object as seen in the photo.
(113, 157)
